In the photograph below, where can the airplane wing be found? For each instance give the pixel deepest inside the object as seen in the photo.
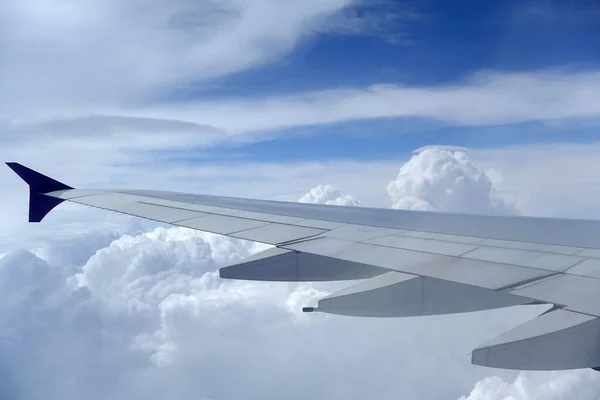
(410, 263)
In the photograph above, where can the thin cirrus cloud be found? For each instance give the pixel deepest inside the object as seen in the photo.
(86, 69)
(490, 98)
(77, 54)
(486, 98)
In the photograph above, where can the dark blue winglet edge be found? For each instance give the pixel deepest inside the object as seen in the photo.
(39, 204)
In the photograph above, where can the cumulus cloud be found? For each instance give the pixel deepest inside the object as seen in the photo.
(147, 316)
(327, 194)
(445, 179)
(580, 384)
(155, 262)
(138, 305)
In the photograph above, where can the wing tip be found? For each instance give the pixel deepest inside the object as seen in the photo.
(39, 183)
(39, 204)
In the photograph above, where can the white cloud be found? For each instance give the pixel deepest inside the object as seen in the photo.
(100, 136)
(95, 66)
(552, 179)
(155, 262)
(443, 179)
(486, 98)
(71, 55)
(579, 384)
(327, 194)
(151, 319)
(136, 300)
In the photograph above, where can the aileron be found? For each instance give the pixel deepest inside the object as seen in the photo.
(396, 294)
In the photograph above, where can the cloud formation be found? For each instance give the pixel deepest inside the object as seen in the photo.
(147, 316)
(579, 384)
(445, 179)
(103, 53)
(484, 98)
(145, 311)
(142, 133)
(327, 194)
(142, 311)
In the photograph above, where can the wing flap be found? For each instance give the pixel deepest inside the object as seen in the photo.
(395, 294)
(277, 264)
(556, 340)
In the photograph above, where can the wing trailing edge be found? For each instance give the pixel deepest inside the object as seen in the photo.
(39, 204)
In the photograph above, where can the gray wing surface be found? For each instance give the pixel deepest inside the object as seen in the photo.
(408, 263)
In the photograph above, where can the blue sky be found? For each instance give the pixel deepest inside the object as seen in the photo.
(443, 42)
(417, 44)
(287, 81)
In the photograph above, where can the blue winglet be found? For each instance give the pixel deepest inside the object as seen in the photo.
(39, 204)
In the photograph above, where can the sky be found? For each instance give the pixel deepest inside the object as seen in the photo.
(490, 107)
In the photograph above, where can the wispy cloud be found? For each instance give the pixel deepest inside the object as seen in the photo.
(387, 19)
(71, 54)
(484, 99)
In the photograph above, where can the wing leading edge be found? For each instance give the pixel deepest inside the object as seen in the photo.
(410, 263)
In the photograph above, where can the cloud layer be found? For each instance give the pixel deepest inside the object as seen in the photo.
(485, 98)
(144, 309)
(148, 316)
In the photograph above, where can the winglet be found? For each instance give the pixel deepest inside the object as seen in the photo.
(39, 204)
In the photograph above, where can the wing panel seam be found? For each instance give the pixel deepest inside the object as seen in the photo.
(445, 255)
(526, 282)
